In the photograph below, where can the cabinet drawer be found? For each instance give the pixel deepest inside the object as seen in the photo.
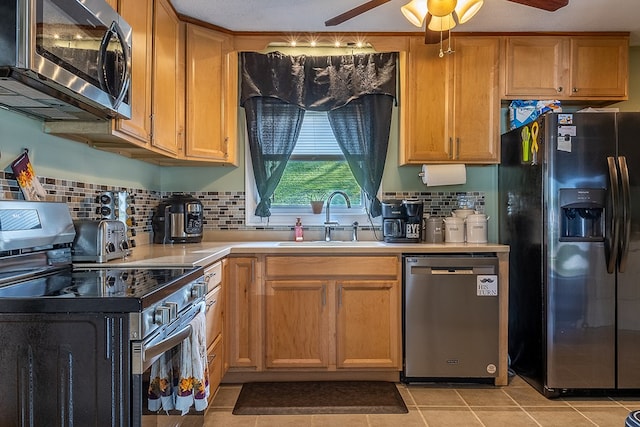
(214, 366)
(213, 275)
(325, 266)
(214, 314)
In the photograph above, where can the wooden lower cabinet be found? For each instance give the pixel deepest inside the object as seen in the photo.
(343, 317)
(243, 314)
(367, 324)
(215, 365)
(297, 316)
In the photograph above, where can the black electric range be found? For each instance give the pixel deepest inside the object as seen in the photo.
(99, 289)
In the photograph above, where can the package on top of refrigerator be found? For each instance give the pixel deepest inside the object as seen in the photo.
(522, 112)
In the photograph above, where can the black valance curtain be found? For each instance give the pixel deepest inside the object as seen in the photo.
(319, 83)
(358, 91)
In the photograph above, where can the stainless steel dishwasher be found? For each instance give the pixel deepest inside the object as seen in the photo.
(450, 317)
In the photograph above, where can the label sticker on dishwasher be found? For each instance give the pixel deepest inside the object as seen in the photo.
(487, 285)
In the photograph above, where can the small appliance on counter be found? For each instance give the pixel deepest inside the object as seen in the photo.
(99, 240)
(402, 220)
(178, 219)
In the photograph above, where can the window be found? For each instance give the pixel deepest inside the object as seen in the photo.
(317, 167)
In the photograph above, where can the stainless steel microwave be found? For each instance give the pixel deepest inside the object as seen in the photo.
(65, 59)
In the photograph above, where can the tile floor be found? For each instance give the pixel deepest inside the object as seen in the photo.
(459, 405)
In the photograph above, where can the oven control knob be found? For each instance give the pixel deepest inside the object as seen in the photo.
(198, 290)
(162, 315)
(110, 247)
(124, 245)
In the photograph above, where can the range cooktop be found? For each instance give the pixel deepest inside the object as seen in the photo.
(119, 289)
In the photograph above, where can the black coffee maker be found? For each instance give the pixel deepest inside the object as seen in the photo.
(402, 220)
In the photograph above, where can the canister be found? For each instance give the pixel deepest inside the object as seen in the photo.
(434, 230)
(476, 226)
(454, 229)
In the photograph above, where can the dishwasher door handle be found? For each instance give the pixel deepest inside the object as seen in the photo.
(428, 271)
(452, 271)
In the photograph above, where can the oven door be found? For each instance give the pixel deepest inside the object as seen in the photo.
(158, 367)
(85, 46)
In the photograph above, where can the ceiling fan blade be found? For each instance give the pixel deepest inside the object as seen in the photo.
(354, 12)
(550, 5)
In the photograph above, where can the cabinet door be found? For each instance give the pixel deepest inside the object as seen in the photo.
(168, 80)
(214, 322)
(297, 324)
(536, 67)
(139, 14)
(425, 122)
(368, 324)
(208, 102)
(476, 106)
(242, 313)
(599, 67)
(215, 367)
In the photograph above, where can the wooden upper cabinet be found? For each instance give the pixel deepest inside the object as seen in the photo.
(575, 68)
(139, 15)
(599, 67)
(168, 80)
(211, 96)
(536, 66)
(452, 103)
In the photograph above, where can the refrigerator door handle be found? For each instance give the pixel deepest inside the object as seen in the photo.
(614, 236)
(626, 213)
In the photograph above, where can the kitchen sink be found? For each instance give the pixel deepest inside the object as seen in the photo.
(321, 243)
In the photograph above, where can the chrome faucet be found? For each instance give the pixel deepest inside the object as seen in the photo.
(328, 224)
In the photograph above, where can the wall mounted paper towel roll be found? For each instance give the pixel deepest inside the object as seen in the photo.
(433, 175)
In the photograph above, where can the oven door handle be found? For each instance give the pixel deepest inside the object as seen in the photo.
(144, 356)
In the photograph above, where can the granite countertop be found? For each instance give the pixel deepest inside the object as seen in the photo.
(205, 253)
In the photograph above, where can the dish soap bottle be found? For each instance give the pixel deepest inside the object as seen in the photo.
(297, 231)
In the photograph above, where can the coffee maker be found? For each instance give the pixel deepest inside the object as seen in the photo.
(402, 220)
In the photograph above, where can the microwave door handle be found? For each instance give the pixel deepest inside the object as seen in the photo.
(612, 243)
(626, 213)
(102, 65)
(114, 29)
(125, 77)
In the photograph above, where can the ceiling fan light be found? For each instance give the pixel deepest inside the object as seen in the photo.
(415, 11)
(466, 9)
(442, 23)
(439, 8)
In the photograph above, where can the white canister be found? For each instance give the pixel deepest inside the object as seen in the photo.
(454, 229)
(463, 213)
(476, 225)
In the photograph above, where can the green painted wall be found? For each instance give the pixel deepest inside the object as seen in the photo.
(55, 157)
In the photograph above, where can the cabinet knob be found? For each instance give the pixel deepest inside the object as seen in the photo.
(575, 90)
(559, 90)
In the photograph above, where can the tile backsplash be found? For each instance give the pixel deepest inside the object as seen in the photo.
(223, 210)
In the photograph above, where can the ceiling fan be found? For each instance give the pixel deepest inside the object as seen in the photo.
(435, 36)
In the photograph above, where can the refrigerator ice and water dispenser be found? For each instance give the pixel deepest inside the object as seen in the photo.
(582, 214)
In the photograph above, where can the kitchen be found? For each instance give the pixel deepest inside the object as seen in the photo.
(95, 171)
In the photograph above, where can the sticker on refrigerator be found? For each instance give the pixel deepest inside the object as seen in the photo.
(565, 133)
(565, 119)
(487, 285)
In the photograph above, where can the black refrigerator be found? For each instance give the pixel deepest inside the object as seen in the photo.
(569, 208)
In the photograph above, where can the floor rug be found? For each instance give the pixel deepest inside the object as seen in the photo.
(319, 397)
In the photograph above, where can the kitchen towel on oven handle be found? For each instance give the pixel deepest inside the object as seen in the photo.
(193, 384)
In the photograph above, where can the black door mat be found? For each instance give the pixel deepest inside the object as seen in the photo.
(319, 397)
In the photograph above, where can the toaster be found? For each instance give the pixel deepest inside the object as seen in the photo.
(99, 240)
